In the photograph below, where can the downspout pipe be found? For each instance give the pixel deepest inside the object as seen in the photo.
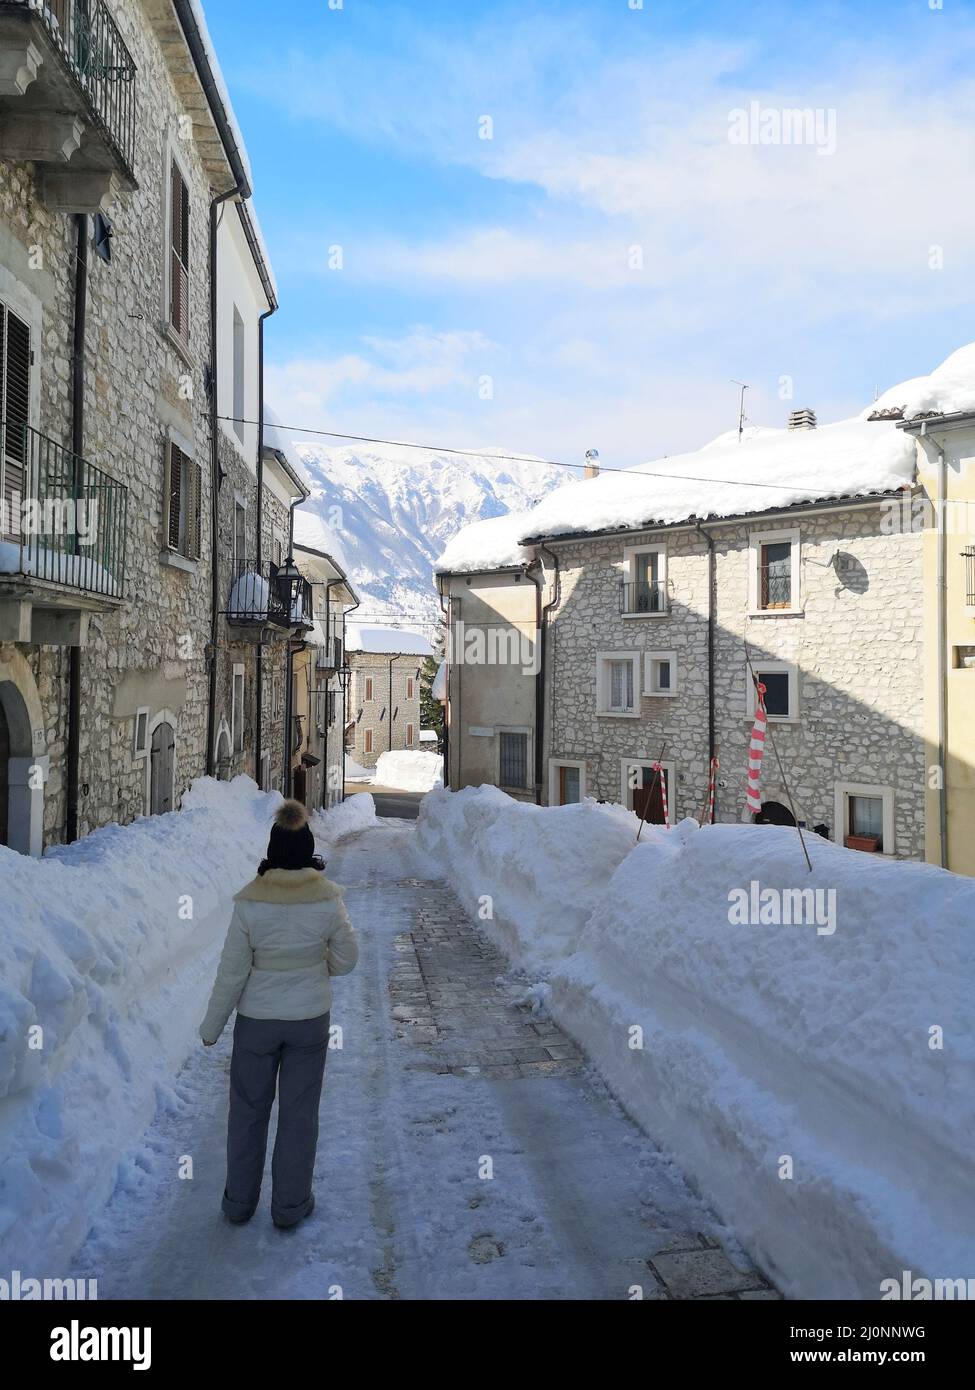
(712, 575)
(73, 749)
(446, 707)
(215, 203)
(259, 551)
(345, 684)
(942, 663)
(542, 620)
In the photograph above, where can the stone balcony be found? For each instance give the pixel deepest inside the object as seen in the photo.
(67, 100)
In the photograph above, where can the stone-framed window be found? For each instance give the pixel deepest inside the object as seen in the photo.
(644, 592)
(773, 572)
(866, 811)
(618, 684)
(178, 249)
(660, 673)
(140, 732)
(237, 707)
(367, 685)
(566, 781)
(182, 496)
(781, 681)
(367, 740)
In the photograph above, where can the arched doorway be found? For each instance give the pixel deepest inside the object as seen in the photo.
(224, 754)
(162, 769)
(774, 813)
(23, 762)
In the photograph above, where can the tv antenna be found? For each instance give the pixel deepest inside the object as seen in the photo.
(741, 406)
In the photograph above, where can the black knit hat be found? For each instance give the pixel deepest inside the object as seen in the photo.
(292, 845)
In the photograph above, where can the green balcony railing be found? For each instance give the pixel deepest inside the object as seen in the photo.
(62, 519)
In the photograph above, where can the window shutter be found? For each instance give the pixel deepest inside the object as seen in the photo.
(15, 363)
(179, 288)
(174, 493)
(194, 513)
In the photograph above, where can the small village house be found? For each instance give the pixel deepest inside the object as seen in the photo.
(383, 712)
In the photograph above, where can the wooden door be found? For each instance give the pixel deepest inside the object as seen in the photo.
(161, 767)
(648, 799)
(299, 780)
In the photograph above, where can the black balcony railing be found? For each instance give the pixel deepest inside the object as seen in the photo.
(62, 519)
(643, 596)
(969, 557)
(91, 44)
(257, 595)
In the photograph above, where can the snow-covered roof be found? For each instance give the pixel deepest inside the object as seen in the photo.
(950, 388)
(313, 533)
(279, 440)
(389, 640)
(491, 544)
(766, 470)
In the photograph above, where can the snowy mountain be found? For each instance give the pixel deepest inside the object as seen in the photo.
(395, 508)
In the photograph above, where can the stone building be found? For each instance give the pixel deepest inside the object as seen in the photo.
(666, 602)
(120, 162)
(319, 675)
(384, 691)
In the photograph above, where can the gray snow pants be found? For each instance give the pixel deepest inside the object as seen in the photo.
(291, 1055)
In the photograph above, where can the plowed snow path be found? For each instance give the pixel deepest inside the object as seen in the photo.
(466, 1151)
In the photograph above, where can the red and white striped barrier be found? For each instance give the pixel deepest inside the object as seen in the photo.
(756, 750)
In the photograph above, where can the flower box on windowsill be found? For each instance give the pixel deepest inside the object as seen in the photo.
(870, 843)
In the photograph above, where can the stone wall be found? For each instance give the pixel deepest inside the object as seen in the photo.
(856, 642)
(139, 384)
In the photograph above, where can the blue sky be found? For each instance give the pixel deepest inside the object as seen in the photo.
(594, 273)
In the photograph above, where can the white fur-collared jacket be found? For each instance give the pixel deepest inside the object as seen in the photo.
(289, 934)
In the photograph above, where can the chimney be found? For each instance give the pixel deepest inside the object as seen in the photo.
(802, 420)
(592, 464)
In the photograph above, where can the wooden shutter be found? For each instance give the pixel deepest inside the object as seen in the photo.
(179, 257)
(15, 365)
(174, 495)
(194, 510)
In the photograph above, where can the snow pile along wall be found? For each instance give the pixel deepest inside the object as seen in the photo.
(350, 816)
(813, 1078)
(107, 954)
(409, 771)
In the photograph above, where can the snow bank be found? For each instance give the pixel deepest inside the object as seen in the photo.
(355, 772)
(350, 816)
(758, 1041)
(545, 868)
(409, 771)
(107, 954)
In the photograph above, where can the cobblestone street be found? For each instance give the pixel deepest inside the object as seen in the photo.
(467, 1150)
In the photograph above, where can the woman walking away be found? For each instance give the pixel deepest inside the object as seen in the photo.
(289, 933)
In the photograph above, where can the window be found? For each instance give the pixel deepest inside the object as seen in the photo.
(237, 709)
(238, 375)
(661, 673)
(409, 687)
(643, 592)
(15, 365)
(276, 549)
(617, 683)
(179, 253)
(774, 572)
(865, 817)
(183, 502)
(566, 782)
(240, 532)
(781, 681)
(140, 733)
(368, 694)
(367, 741)
(513, 751)
(409, 735)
